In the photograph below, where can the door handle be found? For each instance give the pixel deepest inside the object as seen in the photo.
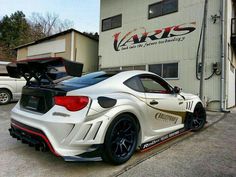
(153, 102)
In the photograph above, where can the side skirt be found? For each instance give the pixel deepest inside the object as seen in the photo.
(151, 144)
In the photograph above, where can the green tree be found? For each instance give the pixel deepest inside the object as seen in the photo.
(17, 30)
(92, 34)
(14, 30)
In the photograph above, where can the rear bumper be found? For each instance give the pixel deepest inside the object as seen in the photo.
(32, 136)
(37, 139)
(74, 138)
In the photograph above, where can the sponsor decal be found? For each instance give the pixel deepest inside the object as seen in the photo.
(140, 38)
(163, 138)
(166, 118)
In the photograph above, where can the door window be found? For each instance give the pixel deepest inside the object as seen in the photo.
(154, 84)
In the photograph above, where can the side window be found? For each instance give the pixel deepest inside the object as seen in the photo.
(153, 84)
(135, 84)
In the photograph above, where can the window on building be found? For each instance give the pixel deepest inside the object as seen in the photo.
(140, 67)
(170, 70)
(167, 70)
(162, 8)
(112, 22)
(156, 69)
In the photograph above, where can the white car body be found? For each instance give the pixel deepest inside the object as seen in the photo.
(71, 134)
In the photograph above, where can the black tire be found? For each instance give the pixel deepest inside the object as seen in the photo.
(120, 140)
(5, 96)
(198, 118)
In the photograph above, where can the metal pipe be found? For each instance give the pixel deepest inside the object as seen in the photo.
(222, 83)
(201, 91)
(72, 45)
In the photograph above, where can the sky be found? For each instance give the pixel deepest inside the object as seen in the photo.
(83, 13)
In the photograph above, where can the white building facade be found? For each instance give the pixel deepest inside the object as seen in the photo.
(166, 37)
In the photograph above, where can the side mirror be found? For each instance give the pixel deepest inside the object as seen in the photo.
(176, 90)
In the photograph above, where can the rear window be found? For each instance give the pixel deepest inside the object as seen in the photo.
(135, 84)
(88, 79)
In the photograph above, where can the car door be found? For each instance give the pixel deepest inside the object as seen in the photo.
(164, 107)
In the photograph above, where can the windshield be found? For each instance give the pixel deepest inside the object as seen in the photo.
(88, 79)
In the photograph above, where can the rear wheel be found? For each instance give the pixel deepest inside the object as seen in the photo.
(5, 96)
(198, 118)
(121, 140)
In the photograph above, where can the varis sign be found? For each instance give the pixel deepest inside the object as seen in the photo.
(138, 38)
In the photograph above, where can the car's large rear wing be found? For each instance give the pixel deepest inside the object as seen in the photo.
(44, 69)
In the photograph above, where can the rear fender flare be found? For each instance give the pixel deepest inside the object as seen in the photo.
(125, 109)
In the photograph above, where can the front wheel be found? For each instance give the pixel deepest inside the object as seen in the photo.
(121, 140)
(198, 118)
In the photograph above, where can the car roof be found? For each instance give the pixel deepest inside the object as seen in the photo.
(4, 63)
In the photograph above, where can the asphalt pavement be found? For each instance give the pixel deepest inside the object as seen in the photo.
(210, 152)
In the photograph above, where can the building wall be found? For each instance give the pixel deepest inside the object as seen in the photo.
(57, 47)
(86, 51)
(230, 57)
(22, 53)
(67, 53)
(183, 50)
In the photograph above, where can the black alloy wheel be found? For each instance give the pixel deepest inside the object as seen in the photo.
(198, 118)
(121, 140)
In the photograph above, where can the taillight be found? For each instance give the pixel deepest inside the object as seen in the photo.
(72, 103)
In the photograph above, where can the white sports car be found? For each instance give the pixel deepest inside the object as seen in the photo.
(103, 114)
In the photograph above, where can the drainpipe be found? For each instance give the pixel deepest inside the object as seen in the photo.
(201, 91)
(72, 46)
(222, 83)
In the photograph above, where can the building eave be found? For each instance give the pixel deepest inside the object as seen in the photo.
(54, 36)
